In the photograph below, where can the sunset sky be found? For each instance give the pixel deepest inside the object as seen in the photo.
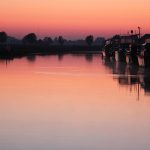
(73, 18)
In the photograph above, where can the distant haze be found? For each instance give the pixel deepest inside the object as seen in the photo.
(73, 18)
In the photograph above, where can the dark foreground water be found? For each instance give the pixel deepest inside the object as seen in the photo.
(73, 102)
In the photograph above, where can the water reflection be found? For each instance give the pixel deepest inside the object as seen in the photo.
(89, 57)
(5, 61)
(73, 103)
(31, 58)
(129, 73)
(60, 56)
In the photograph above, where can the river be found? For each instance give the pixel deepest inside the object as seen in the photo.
(73, 102)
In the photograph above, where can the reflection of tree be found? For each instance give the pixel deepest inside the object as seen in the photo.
(89, 57)
(60, 56)
(6, 59)
(31, 58)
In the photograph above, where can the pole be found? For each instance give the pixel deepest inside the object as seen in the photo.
(139, 28)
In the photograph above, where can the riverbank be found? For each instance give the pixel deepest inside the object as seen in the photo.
(30, 49)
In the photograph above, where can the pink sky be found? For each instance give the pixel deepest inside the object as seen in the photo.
(74, 18)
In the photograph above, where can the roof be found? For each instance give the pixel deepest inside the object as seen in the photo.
(146, 36)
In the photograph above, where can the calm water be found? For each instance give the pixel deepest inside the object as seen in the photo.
(73, 102)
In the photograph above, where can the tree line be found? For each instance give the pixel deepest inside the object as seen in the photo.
(31, 38)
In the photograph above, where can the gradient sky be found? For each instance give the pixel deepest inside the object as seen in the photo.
(73, 18)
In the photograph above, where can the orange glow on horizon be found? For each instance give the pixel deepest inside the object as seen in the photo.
(74, 18)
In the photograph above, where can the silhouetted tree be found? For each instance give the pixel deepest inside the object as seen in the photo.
(89, 40)
(61, 40)
(55, 40)
(48, 40)
(3, 37)
(30, 38)
(40, 41)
